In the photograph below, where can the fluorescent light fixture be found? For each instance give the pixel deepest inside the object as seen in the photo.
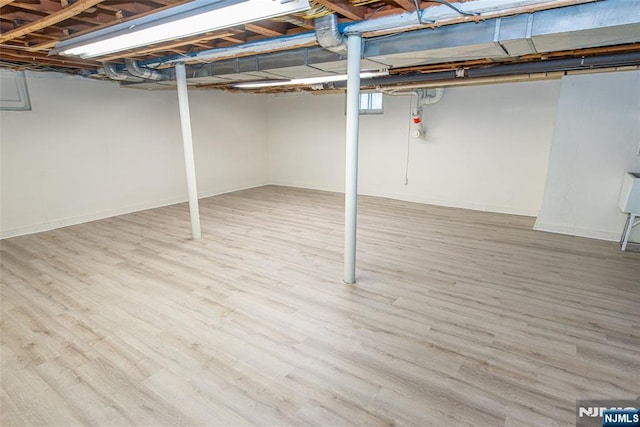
(308, 81)
(198, 17)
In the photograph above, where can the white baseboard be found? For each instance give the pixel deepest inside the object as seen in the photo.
(81, 219)
(577, 231)
(458, 204)
(423, 200)
(552, 228)
(308, 186)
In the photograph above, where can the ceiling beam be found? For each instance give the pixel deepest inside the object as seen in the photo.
(42, 6)
(42, 46)
(344, 8)
(29, 59)
(127, 9)
(159, 48)
(299, 22)
(53, 7)
(265, 28)
(5, 2)
(19, 16)
(117, 20)
(406, 5)
(66, 13)
(234, 39)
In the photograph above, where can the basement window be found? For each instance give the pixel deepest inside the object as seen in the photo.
(371, 103)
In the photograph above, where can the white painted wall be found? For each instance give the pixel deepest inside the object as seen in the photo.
(487, 146)
(90, 149)
(596, 140)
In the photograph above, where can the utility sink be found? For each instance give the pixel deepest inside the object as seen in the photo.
(630, 194)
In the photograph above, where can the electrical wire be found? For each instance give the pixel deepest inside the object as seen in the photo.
(375, 12)
(449, 5)
(13, 46)
(419, 14)
(406, 166)
(20, 66)
(363, 2)
(444, 3)
(194, 58)
(316, 11)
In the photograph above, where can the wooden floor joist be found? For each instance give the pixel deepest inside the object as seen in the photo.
(63, 14)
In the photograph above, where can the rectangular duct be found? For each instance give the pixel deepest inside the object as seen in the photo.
(573, 27)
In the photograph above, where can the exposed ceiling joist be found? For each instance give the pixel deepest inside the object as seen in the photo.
(265, 28)
(12, 55)
(42, 46)
(51, 7)
(50, 44)
(344, 8)
(406, 4)
(306, 24)
(30, 28)
(54, 18)
(200, 41)
(41, 6)
(233, 39)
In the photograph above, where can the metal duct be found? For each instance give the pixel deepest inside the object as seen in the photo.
(112, 72)
(328, 34)
(577, 26)
(142, 72)
(548, 66)
(440, 14)
(251, 48)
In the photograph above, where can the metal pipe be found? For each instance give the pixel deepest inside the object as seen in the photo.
(423, 98)
(245, 49)
(614, 59)
(448, 78)
(435, 98)
(354, 50)
(143, 72)
(394, 92)
(485, 80)
(631, 222)
(328, 34)
(187, 142)
(112, 72)
(405, 78)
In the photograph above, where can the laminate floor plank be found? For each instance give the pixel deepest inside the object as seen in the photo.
(457, 318)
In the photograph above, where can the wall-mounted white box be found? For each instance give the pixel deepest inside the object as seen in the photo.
(630, 194)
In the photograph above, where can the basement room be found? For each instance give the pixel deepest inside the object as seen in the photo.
(320, 212)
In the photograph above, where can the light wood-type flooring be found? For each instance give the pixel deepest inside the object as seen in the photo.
(457, 318)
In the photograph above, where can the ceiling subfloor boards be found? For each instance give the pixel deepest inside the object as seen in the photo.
(30, 29)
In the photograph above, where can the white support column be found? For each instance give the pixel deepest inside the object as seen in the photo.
(187, 142)
(354, 46)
